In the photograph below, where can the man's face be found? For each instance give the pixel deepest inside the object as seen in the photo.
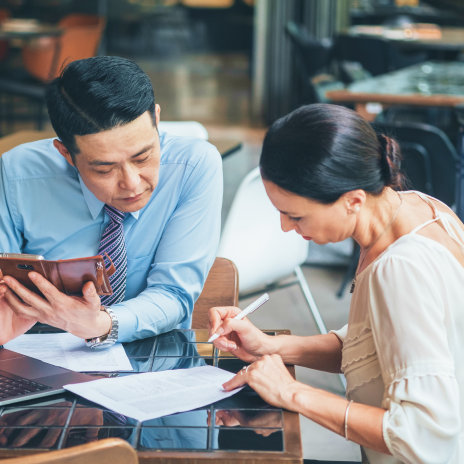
(120, 166)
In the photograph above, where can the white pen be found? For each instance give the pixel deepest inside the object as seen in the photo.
(248, 310)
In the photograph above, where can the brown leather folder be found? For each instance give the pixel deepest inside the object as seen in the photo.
(68, 275)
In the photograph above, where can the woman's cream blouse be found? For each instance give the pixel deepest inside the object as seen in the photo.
(403, 347)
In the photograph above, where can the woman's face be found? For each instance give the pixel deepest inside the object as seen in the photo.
(312, 220)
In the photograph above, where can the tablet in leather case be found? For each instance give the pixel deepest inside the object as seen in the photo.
(68, 275)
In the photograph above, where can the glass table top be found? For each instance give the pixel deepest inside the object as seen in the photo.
(428, 78)
(243, 422)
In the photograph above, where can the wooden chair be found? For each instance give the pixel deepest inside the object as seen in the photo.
(4, 46)
(221, 289)
(208, 3)
(43, 60)
(80, 39)
(113, 450)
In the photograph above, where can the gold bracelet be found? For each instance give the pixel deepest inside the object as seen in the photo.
(346, 420)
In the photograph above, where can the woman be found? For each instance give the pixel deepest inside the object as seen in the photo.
(331, 177)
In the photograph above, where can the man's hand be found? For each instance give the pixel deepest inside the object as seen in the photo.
(12, 325)
(80, 316)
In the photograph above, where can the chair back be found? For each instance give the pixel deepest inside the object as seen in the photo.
(417, 165)
(185, 129)
(207, 3)
(113, 450)
(81, 37)
(221, 289)
(311, 57)
(4, 46)
(376, 54)
(253, 238)
(430, 159)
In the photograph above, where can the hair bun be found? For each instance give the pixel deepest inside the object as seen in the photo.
(390, 162)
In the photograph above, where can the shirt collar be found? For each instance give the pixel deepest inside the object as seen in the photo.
(94, 204)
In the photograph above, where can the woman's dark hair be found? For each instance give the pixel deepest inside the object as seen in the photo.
(95, 95)
(322, 151)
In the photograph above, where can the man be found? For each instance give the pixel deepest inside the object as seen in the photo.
(110, 183)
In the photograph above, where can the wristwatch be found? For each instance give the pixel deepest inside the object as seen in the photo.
(109, 339)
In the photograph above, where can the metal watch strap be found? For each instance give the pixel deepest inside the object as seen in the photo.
(109, 339)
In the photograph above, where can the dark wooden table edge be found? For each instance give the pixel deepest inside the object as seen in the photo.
(348, 96)
(232, 150)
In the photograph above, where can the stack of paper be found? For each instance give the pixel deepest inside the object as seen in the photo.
(156, 394)
(66, 350)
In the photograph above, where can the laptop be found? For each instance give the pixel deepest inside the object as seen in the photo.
(25, 378)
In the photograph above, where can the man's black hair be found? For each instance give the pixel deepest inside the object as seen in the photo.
(95, 95)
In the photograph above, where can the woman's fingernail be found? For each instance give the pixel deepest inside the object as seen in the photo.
(32, 276)
(220, 331)
(7, 280)
(232, 346)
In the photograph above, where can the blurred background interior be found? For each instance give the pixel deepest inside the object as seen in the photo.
(235, 66)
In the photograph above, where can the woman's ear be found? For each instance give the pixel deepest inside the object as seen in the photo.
(354, 200)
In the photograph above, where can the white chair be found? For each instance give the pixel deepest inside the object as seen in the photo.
(184, 129)
(264, 255)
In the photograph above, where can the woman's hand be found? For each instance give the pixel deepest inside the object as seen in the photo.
(271, 380)
(240, 337)
(11, 324)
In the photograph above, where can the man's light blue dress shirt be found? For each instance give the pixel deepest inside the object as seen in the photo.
(171, 243)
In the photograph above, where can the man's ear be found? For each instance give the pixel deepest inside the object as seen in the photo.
(157, 114)
(63, 151)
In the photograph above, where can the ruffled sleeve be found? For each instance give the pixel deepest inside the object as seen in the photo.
(409, 325)
(422, 422)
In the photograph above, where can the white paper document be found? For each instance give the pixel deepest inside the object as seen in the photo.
(66, 350)
(156, 394)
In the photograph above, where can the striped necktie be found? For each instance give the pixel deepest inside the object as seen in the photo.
(113, 243)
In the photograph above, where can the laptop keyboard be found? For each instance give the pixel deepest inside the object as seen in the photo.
(18, 386)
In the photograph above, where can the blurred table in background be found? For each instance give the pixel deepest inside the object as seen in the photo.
(240, 429)
(416, 37)
(19, 31)
(427, 84)
(226, 147)
(430, 84)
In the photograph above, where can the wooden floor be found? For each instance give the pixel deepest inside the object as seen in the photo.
(211, 89)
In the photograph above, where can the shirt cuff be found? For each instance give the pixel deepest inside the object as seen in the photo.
(386, 437)
(341, 334)
(127, 322)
